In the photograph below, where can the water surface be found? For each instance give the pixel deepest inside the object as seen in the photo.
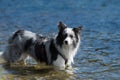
(98, 58)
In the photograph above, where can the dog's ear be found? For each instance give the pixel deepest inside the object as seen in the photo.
(61, 26)
(78, 29)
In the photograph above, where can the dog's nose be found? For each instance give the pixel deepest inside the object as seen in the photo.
(66, 42)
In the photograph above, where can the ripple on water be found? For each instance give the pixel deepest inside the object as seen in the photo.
(98, 57)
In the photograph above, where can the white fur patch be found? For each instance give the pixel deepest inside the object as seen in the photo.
(69, 33)
(59, 63)
(29, 34)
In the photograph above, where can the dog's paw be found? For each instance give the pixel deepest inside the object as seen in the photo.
(68, 67)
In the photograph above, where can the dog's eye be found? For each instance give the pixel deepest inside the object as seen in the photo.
(71, 36)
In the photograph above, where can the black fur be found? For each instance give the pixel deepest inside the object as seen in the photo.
(17, 32)
(28, 43)
(60, 38)
(54, 53)
(40, 53)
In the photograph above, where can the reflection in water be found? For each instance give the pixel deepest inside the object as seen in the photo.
(36, 72)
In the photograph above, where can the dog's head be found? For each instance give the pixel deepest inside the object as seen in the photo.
(68, 36)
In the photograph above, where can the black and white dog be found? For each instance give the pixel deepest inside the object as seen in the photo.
(58, 51)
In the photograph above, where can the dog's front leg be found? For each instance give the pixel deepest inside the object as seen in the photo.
(59, 63)
(68, 64)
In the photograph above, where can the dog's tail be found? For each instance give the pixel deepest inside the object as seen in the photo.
(1, 56)
(1, 53)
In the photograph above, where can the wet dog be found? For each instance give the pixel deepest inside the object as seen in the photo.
(58, 51)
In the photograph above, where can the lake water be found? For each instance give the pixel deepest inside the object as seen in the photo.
(98, 57)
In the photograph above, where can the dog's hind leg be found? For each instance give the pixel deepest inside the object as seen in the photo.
(12, 53)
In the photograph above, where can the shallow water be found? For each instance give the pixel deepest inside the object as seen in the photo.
(98, 57)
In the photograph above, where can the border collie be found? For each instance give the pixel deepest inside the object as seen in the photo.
(58, 51)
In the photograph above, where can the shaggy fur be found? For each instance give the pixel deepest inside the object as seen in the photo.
(58, 51)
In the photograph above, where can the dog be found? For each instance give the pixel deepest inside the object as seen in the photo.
(58, 51)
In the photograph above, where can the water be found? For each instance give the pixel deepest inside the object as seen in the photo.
(98, 57)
